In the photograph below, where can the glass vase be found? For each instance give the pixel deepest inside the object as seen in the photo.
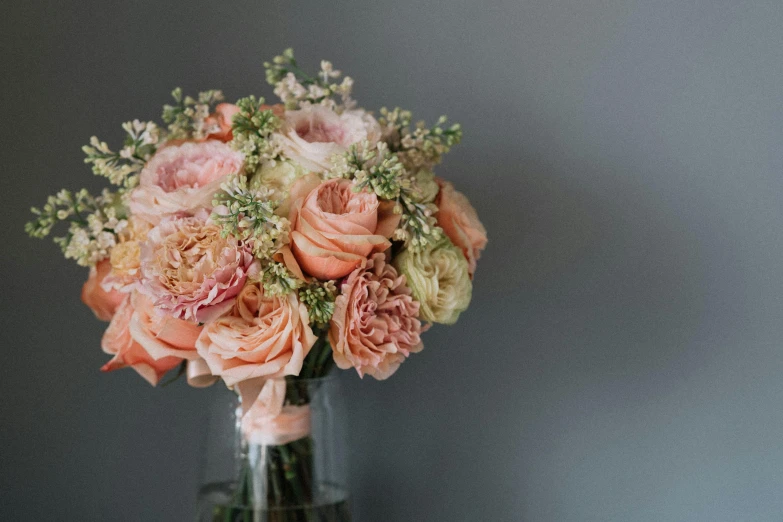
(255, 477)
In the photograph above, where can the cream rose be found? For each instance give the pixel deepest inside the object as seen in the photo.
(262, 337)
(439, 280)
(278, 181)
(374, 326)
(183, 178)
(311, 136)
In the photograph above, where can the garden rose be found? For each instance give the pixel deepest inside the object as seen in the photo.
(190, 271)
(103, 303)
(334, 229)
(126, 256)
(162, 335)
(311, 136)
(278, 180)
(459, 221)
(375, 325)
(439, 279)
(221, 121)
(183, 178)
(117, 341)
(261, 337)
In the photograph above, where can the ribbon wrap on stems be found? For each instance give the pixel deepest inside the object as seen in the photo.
(265, 419)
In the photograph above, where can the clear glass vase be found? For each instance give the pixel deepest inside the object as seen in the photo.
(258, 479)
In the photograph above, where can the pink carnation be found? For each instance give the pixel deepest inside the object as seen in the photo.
(375, 326)
(460, 222)
(190, 271)
(311, 136)
(183, 178)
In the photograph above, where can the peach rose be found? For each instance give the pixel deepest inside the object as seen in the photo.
(183, 178)
(374, 326)
(459, 221)
(221, 121)
(118, 341)
(102, 303)
(311, 136)
(190, 271)
(261, 337)
(334, 229)
(162, 335)
(126, 256)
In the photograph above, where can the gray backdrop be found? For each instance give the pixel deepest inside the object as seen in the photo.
(621, 360)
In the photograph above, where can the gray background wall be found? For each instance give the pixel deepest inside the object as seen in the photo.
(622, 357)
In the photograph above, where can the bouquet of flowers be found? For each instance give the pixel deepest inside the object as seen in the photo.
(259, 243)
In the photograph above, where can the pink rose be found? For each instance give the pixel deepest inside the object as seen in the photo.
(118, 341)
(334, 229)
(183, 178)
(459, 221)
(190, 271)
(102, 303)
(311, 136)
(374, 326)
(261, 337)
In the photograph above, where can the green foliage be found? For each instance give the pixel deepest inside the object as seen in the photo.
(319, 298)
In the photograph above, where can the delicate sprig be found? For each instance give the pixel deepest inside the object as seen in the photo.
(94, 223)
(250, 216)
(252, 129)
(319, 298)
(277, 280)
(119, 168)
(374, 169)
(418, 226)
(187, 118)
(295, 87)
(418, 147)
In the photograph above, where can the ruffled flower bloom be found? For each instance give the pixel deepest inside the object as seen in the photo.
(375, 325)
(263, 337)
(190, 271)
(311, 136)
(183, 178)
(103, 303)
(125, 257)
(439, 280)
(117, 341)
(334, 230)
(460, 222)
